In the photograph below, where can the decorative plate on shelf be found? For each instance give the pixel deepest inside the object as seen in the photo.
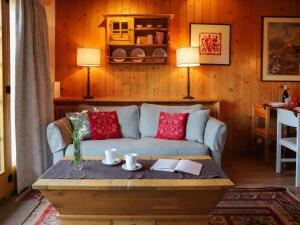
(119, 53)
(159, 52)
(139, 54)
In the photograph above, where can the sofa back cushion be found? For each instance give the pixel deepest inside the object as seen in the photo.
(195, 127)
(149, 116)
(128, 117)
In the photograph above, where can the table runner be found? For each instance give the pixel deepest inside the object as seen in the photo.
(94, 169)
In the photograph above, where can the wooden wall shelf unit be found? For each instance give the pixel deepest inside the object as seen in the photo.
(130, 31)
(64, 105)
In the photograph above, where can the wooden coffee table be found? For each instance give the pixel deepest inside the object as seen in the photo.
(134, 201)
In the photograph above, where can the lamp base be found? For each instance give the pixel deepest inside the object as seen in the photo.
(88, 97)
(188, 97)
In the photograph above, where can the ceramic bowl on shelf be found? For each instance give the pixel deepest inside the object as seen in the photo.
(159, 26)
(149, 25)
(138, 54)
(139, 26)
(119, 55)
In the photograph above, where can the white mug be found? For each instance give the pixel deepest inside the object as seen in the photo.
(131, 159)
(111, 155)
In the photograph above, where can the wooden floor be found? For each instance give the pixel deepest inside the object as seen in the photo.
(246, 170)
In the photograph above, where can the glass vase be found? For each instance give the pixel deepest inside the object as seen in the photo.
(77, 154)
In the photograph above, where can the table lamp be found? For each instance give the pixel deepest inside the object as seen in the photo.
(88, 57)
(187, 57)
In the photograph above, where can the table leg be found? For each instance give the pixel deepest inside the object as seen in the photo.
(253, 138)
(267, 138)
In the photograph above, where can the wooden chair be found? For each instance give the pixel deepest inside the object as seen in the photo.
(288, 118)
(259, 111)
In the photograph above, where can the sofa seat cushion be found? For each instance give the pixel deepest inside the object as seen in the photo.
(144, 147)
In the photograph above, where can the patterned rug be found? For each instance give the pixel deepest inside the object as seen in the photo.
(255, 206)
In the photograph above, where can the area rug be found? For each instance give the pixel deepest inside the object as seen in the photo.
(244, 206)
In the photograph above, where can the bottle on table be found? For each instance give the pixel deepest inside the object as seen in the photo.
(285, 95)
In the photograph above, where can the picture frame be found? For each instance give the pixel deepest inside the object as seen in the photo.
(280, 48)
(214, 42)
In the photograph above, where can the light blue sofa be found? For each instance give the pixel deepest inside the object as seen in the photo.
(138, 128)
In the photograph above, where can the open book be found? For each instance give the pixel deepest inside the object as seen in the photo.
(173, 165)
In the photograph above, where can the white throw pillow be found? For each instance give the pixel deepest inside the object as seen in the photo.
(195, 126)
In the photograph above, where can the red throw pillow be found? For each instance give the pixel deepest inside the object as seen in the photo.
(172, 126)
(104, 125)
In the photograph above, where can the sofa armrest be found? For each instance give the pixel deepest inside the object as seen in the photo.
(58, 135)
(215, 137)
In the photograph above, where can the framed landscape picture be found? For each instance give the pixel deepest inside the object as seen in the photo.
(213, 41)
(280, 48)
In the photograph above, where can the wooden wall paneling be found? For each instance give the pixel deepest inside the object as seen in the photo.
(141, 6)
(174, 39)
(239, 93)
(250, 81)
(151, 80)
(157, 6)
(182, 42)
(149, 6)
(228, 75)
(168, 68)
(174, 29)
(112, 84)
(142, 82)
(190, 14)
(158, 81)
(238, 85)
(81, 35)
(134, 82)
(126, 6)
(198, 73)
(124, 74)
(198, 11)
(99, 42)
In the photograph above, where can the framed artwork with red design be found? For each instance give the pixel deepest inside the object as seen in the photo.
(213, 41)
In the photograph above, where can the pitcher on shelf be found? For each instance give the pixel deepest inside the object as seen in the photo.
(159, 37)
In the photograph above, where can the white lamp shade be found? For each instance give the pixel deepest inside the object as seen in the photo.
(187, 57)
(88, 56)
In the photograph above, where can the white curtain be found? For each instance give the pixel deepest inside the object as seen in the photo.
(31, 91)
